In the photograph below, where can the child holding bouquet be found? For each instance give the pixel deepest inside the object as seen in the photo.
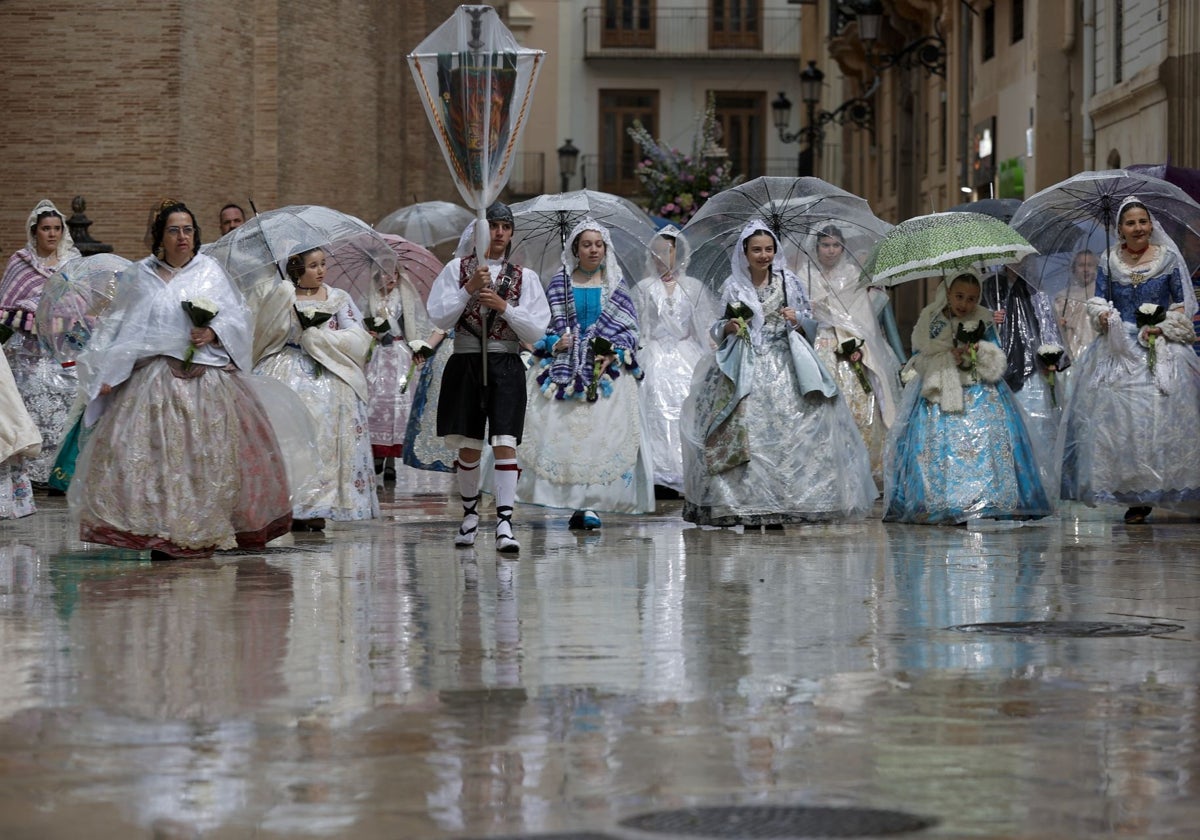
(767, 438)
(1133, 418)
(961, 449)
(586, 446)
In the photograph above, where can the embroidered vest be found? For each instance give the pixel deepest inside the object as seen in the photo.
(477, 320)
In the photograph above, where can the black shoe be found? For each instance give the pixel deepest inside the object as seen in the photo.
(583, 520)
(1137, 515)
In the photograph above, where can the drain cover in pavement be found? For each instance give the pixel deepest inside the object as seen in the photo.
(1076, 629)
(779, 822)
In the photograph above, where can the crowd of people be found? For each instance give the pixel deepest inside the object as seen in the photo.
(210, 419)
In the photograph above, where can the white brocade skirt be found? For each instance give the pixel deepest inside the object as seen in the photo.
(1123, 438)
(578, 455)
(181, 463)
(387, 373)
(669, 366)
(347, 490)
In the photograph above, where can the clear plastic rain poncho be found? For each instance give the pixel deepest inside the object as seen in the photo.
(960, 449)
(675, 311)
(1130, 427)
(767, 439)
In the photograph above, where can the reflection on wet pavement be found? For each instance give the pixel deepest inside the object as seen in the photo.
(376, 682)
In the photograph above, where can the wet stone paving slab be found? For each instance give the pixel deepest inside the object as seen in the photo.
(646, 680)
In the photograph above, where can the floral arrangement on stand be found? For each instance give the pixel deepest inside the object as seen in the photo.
(677, 184)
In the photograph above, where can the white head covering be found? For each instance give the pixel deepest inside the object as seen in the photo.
(66, 245)
(1117, 272)
(683, 253)
(742, 286)
(611, 268)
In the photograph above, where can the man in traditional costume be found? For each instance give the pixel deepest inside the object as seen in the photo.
(495, 305)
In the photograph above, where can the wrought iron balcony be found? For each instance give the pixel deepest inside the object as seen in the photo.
(629, 30)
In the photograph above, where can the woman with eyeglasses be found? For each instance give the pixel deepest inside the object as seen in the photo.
(45, 385)
(182, 458)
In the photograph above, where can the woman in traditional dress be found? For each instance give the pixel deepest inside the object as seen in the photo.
(960, 449)
(674, 313)
(1070, 308)
(315, 343)
(767, 440)
(45, 385)
(19, 440)
(394, 304)
(1133, 419)
(184, 458)
(850, 342)
(585, 446)
(424, 449)
(1027, 330)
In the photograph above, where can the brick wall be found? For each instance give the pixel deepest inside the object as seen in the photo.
(284, 101)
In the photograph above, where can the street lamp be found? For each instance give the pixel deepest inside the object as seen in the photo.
(928, 52)
(568, 158)
(858, 111)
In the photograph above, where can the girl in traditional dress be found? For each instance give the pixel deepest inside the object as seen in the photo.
(184, 457)
(585, 446)
(850, 342)
(394, 301)
(47, 387)
(960, 450)
(1133, 419)
(767, 440)
(316, 345)
(674, 313)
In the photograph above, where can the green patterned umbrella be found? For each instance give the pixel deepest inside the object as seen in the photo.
(942, 244)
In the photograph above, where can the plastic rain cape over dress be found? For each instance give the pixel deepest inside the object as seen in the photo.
(1128, 434)
(324, 366)
(183, 458)
(1029, 323)
(46, 387)
(847, 313)
(960, 449)
(674, 314)
(577, 453)
(390, 361)
(767, 438)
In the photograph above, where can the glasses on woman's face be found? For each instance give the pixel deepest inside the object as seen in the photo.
(175, 230)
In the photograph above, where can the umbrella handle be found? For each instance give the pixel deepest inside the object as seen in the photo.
(482, 235)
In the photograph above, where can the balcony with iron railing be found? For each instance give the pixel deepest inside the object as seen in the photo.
(631, 31)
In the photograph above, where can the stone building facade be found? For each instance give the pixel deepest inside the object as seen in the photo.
(279, 101)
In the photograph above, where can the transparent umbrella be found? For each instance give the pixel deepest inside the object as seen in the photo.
(427, 223)
(73, 301)
(794, 209)
(256, 253)
(543, 224)
(1080, 214)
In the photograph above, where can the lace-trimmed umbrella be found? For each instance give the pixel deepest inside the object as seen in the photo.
(796, 210)
(543, 224)
(941, 245)
(73, 300)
